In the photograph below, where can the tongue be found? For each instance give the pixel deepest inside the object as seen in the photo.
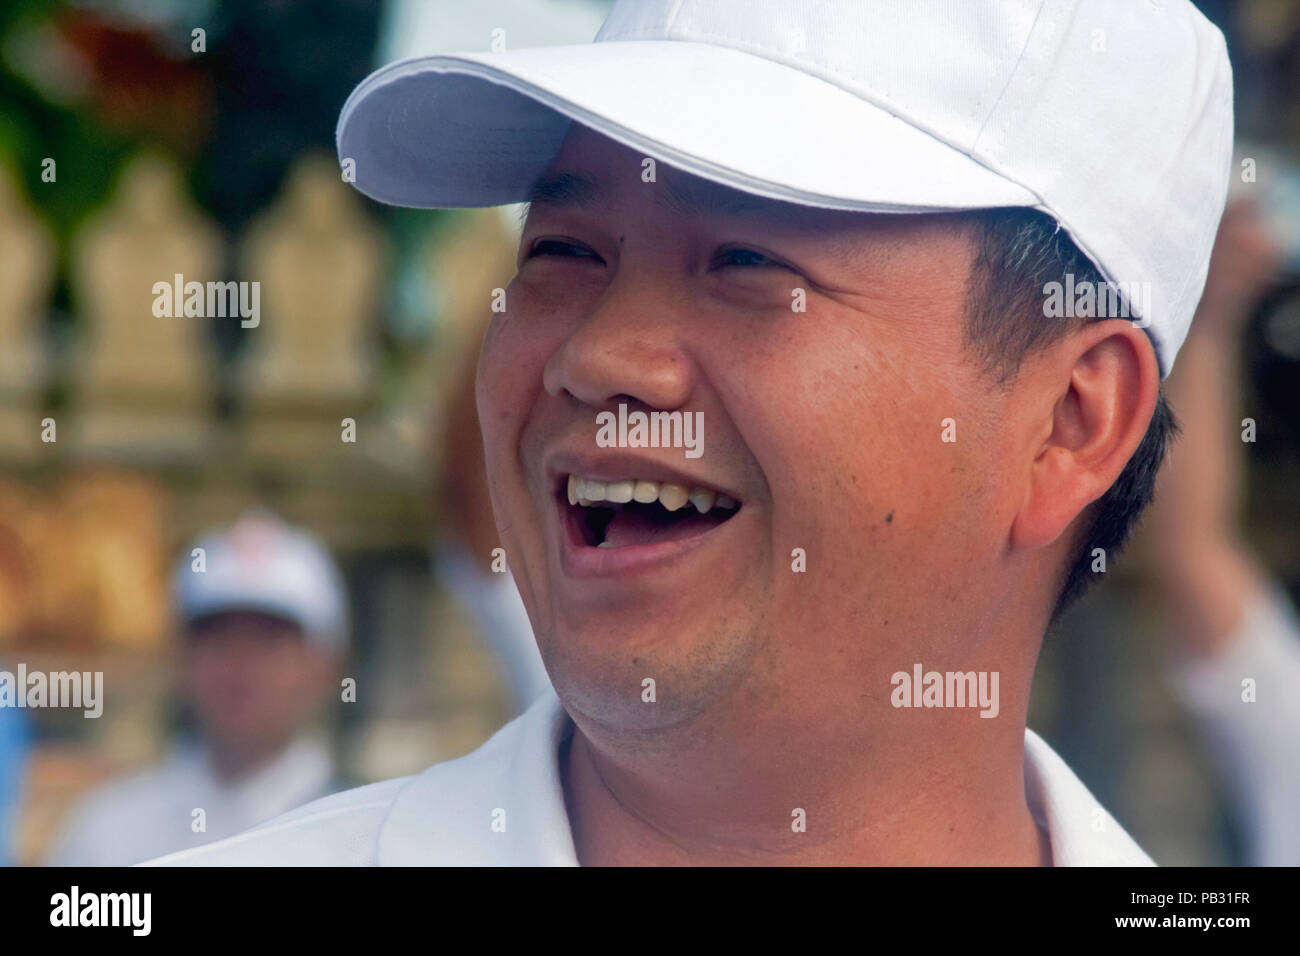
(637, 527)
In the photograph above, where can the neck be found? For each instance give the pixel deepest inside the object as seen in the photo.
(231, 764)
(953, 795)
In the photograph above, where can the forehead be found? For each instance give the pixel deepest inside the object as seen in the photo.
(241, 621)
(594, 173)
(592, 170)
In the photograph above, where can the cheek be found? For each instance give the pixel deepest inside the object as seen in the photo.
(500, 396)
(515, 349)
(510, 396)
(209, 671)
(300, 675)
(851, 436)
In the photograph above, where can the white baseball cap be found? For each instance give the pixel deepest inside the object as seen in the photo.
(262, 564)
(1113, 116)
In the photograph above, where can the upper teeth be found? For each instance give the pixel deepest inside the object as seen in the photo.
(586, 491)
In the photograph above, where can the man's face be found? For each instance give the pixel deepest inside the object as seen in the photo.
(254, 679)
(825, 425)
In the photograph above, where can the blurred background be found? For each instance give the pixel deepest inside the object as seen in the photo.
(141, 139)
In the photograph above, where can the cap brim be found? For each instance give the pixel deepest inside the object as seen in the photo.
(469, 130)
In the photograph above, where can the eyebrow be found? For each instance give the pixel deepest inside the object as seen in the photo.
(689, 195)
(563, 189)
(692, 195)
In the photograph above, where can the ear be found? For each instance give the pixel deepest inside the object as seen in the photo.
(1102, 383)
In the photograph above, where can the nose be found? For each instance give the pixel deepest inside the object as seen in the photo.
(627, 348)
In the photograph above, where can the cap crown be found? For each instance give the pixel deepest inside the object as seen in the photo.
(1117, 113)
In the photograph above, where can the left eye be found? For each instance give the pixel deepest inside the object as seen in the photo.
(562, 248)
(744, 258)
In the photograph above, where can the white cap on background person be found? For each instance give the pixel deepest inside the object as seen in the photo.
(1115, 118)
(262, 564)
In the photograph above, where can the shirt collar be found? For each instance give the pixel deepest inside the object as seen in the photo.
(503, 805)
(1081, 831)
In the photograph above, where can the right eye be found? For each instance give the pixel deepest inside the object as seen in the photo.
(562, 248)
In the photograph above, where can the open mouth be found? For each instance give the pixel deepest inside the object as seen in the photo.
(621, 514)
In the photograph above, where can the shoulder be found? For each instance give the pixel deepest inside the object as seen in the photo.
(131, 795)
(339, 830)
(451, 813)
(105, 825)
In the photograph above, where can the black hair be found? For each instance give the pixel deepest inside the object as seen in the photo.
(1018, 252)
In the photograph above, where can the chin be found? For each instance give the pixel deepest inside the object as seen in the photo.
(603, 674)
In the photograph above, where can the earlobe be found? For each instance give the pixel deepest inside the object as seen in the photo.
(1110, 381)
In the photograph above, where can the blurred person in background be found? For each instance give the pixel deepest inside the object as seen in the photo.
(1228, 620)
(463, 559)
(13, 765)
(264, 628)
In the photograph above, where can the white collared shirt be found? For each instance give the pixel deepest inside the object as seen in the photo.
(153, 812)
(503, 805)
